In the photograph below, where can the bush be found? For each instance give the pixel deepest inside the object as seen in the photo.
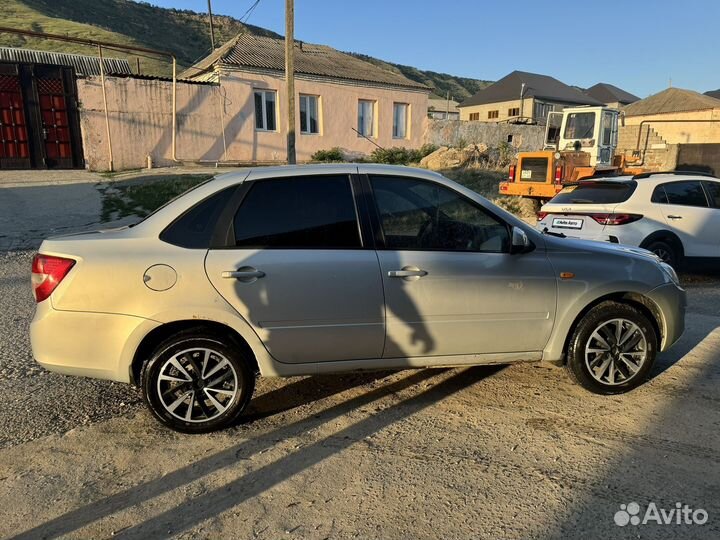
(333, 155)
(401, 155)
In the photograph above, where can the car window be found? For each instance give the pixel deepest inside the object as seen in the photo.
(301, 212)
(423, 215)
(194, 229)
(713, 192)
(595, 193)
(685, 193)
(659, 195)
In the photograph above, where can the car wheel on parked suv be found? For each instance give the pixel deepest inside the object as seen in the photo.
(196, 383)
(612, 348)
(667, 252)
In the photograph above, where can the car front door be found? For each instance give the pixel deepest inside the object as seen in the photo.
(298, 272)
(451, 285)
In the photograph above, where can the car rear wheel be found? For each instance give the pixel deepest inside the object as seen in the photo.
(666, 251)
(196, 383)
(612, 348)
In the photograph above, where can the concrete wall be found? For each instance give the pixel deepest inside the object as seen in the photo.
(140, 122)
(141, 118)
(456, 132)
(700, 157)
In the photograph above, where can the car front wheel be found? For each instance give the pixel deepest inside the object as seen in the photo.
(196, 383)
(612, 348)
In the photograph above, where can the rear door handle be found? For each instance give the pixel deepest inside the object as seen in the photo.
(246, 273)
(674, 217)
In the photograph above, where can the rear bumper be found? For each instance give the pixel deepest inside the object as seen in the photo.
(671, 301)
(98, 345)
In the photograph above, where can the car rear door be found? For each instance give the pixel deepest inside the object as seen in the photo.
(451, 285)
(686, 212)
(297, 268)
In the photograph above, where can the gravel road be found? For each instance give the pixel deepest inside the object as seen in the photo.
(487, 452)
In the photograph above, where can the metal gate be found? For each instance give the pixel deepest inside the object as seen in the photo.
(38, 112)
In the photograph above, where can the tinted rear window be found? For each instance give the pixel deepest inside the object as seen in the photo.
(596, 193)
(685, 194)
(303, 212)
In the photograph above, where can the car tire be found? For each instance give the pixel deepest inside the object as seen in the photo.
(197, 382)
(666, 251)
(627, 361)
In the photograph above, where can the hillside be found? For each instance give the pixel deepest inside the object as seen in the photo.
(180, 31)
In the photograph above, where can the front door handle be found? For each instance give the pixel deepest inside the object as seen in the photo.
(247, 274)
(408, 273)
(674, 217)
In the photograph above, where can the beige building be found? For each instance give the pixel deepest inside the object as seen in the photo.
(341, 101)
(443, 109)
(678, 116)
(522, 97)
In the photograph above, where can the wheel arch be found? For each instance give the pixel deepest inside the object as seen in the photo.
(664, 235)
(164, 331)
(644, 304)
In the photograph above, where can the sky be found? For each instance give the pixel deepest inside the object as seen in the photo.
(642, 46)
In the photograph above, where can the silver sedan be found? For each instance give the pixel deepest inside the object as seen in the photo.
(303, 270)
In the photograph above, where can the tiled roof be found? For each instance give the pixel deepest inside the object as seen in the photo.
(539, 86)
(84, 65)
(607, 93)
(265, 53)
(670, 101)
(713, 93)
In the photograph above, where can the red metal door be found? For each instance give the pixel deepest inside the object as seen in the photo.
(14, 146)
(55, 123)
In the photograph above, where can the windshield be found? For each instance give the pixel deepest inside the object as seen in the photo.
(595, 193)
(580, 125)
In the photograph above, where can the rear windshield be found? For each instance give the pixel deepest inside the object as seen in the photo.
(595, 193)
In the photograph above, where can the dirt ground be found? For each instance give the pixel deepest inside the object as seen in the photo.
(485, 452)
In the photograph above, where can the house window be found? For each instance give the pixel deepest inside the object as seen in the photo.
(474, 116)
(400, 120)
(493, 115)
(515, 111)
(366, 118)
(265, 110)
(309, 117)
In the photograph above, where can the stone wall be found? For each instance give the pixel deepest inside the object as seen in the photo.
(461, 133)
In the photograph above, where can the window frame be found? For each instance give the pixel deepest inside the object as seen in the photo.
(373, 123)
(513, 111)
(406, 127)
(224, 236)
(474, 117)
(667, 198)
(317, 110)
(376, 220)
(494, 115)
(264, 92)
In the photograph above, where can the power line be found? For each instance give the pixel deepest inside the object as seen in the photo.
(249, 12)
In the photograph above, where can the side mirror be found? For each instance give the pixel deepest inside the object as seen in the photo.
(520, 242)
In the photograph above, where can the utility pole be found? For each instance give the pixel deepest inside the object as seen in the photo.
(290, 77)
(212, 28)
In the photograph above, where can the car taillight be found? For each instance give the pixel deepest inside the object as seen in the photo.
(541, 215)
(558, 174)
(47, 273)
(511, 174)
(615, 219)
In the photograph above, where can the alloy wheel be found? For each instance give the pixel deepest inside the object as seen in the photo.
(197, 385)
(616, 351)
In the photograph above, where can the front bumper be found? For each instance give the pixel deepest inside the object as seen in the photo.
(97, 345)
(671, 300)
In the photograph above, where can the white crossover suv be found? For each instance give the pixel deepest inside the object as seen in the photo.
(287, 271)
(675, 215)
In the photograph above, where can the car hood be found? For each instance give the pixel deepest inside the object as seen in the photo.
(592, 246)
